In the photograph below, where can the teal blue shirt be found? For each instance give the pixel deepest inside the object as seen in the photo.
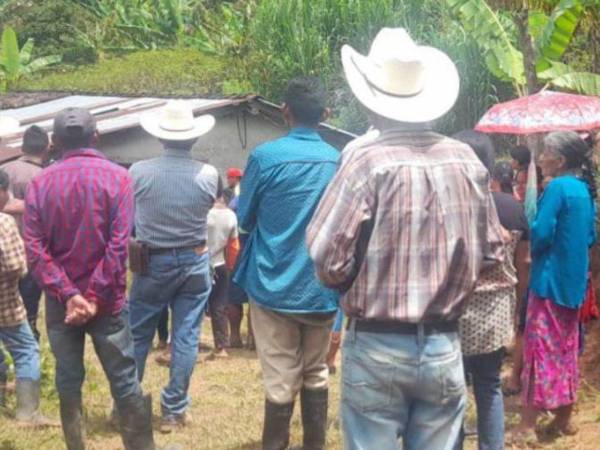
(561, 235)
(281, 188)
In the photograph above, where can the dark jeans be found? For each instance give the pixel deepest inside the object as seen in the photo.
(31, 294)
(484, 370)
(217, 303)
(111, 336)
(163, 325)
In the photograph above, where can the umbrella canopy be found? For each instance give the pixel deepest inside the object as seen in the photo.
(543, 112)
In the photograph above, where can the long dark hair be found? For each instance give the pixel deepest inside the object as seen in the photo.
(577, 154)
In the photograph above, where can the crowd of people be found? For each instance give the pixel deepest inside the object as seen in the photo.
(417, 242)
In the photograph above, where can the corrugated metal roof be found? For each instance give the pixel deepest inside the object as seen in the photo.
(112, 114)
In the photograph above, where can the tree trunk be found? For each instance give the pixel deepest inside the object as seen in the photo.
(529, 56)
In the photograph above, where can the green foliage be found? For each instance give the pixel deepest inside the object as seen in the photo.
(16, 64)
(290, 38)
(154, 72)
(552, 37)
(51, 24)
(558, 33)
(496, 37)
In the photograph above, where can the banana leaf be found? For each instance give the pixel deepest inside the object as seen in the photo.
(559, 32)
(493, 37)
(9, 57)
(40, 63)
(565, 77)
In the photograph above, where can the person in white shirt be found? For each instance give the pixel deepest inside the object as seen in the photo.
(223, 245)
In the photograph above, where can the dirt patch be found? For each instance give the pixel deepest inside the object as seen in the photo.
(20, 99)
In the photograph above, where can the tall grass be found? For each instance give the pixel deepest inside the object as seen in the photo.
(293, 37)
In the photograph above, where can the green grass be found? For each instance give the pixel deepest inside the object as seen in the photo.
(227, 408)
(156, 72)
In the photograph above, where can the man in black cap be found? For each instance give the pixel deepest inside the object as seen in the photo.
(77, 224)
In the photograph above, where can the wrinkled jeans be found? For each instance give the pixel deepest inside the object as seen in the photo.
(24, 349)
(181, 279)
(402, 386)
(112, 341)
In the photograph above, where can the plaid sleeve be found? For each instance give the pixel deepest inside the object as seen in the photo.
(12, 249)
(335, 229)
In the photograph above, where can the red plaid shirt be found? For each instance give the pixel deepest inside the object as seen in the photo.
(78, 220)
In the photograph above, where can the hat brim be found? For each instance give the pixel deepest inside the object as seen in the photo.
(8, 126)
(202, 125)
(439, 93)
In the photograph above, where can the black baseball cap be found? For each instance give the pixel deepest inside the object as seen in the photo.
(74, 123)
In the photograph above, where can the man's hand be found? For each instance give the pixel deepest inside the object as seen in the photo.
(79, 311)
(14, 207)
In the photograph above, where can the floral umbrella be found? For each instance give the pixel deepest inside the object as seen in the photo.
(542, 112)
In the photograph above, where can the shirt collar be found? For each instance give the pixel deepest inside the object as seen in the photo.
(83, 152)
(178, 153)
(304, 133)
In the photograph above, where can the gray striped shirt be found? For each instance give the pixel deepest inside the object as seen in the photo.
(173, 194)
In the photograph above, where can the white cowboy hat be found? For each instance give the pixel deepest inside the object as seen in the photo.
(8, 126)
(176, 122)
(401, 80)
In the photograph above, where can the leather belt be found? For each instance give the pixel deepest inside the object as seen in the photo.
(391, 327)
(199, 249)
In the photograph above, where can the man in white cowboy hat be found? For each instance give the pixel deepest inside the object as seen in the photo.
(173, 194)
(403, 231)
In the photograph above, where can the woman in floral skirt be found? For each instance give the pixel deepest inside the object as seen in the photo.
(561, 235)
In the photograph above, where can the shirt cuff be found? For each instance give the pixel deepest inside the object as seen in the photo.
(67, 294)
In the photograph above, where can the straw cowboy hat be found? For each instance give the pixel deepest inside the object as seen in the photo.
(8, 126)
(401, 80)
(176, 122)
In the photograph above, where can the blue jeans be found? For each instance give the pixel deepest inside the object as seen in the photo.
(487, 386)
(24, 349)
(402, 386)
(112, 341)
(180, 279)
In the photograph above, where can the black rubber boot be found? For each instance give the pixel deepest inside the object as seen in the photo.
(71, 417)
(135, 414)
(276, 429)
(28, 405)
(314, 417)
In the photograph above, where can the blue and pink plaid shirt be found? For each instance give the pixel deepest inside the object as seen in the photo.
(78, 219)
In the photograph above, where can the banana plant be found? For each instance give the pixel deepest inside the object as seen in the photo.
(505, 49)
(17, 63)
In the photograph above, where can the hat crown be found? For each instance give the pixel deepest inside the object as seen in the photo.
(8, 126)
(177, 115)
(396, 67)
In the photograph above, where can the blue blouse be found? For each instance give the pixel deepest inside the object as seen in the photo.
(561, 235)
